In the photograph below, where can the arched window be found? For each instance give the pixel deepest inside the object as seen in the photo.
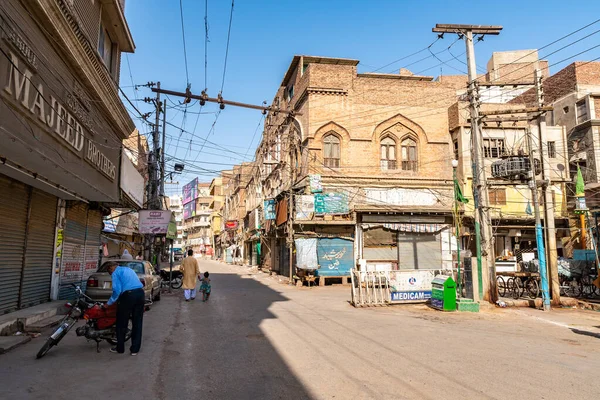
(409, 154)
(331, 151)
(388, 154)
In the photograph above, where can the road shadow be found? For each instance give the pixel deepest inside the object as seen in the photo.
(218, 350)
(586, 333)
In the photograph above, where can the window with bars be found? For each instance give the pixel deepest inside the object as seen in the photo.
(388, 154)
(331, 151)
(409, 154)
(551, 149)
(493, 148)
(497, 196)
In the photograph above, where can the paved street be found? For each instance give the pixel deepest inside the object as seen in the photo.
(259, 339)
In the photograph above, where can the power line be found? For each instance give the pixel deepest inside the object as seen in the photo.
(227, 47)
(187, 77)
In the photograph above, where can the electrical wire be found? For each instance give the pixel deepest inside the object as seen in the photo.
(227, 47)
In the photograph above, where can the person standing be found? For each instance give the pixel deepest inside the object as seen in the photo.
(128, 293)
(126, 255)
(191, 273)
(139, 256)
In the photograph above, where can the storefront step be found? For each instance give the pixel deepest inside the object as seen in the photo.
(8, 343)
(43, 324)
(16, 321)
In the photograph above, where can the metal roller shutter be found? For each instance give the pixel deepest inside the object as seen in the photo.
(92, 243)
(37, 274)
(419, 251)
(73, 256)
(13, 215)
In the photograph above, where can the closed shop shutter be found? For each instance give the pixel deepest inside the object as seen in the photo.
(37, 274)
(92, 243)
(419, 251)
(13, 214)
(73, 256)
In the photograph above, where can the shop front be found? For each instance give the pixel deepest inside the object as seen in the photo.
(59, 163)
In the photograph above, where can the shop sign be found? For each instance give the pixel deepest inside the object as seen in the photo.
(231, 225)
(190, 191)
(52, 113)
(420, 295)
(269, 209)
(131, 181)
(335, 256)
(189, 210)
(155, 222)
(331, 203)
(315, 183)
(305, 207)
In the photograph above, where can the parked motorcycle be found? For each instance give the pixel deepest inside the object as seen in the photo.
(176, 282)
(100, 323)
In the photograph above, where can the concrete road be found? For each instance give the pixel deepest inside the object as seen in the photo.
(259, 339)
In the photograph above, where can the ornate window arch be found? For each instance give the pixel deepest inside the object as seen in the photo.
(331, 150)
(409, 154)
(388, 153)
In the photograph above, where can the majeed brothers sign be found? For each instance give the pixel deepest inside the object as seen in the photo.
(54, 115)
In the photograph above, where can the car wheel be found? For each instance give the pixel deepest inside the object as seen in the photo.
(157, 297)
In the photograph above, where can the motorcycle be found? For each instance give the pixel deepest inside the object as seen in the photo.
(177, 280)
(100, 323)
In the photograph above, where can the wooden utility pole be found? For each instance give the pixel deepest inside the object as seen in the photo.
(552, 255)
(483, 232)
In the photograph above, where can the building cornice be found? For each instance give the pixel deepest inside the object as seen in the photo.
(58, 17)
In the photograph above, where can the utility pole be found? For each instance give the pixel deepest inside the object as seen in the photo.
(291, 205)
(162, 151)
(483, 233)
(539, 236)
(552, 255)
(154, 202)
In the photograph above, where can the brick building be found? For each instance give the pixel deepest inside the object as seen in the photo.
(379, 146)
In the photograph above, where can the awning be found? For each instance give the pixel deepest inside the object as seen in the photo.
(412, 227)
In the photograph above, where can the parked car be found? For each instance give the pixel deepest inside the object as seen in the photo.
(178, 255)
(99, 284)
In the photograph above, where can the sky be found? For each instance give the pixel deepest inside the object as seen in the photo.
(266, 34)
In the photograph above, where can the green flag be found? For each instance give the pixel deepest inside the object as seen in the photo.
(579, 184)
(458, 193)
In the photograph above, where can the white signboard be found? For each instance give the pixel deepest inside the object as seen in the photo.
(154, 222)
(132, 182)
(409, 197)
(305, 207)
(410, 286)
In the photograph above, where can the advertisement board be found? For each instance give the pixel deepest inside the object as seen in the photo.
(305, 207)
(331, 203)
(189, 210)
(335, 256)
(155, 222)
(231, 225)
(411, 285)
(269, 209)
(315, 183)
(190, 191)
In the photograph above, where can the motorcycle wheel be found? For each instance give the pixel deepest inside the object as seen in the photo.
(177, 282)
(113, 340)
(45, 348)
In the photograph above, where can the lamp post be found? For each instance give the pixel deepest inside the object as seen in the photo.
(454, 166)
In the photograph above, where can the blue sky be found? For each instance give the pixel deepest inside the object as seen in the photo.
(266, 34)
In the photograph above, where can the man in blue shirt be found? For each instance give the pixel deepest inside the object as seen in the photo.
(128, 293)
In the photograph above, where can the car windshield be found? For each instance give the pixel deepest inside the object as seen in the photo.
(137, 266)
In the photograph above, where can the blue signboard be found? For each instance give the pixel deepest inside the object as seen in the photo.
(418, 295)
(269, 209)
(335, 257)
(331, 203)
(110, 224)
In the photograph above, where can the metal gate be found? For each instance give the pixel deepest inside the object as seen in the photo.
(37, 272)
(13, 214)
(73, 253)
(28, 218)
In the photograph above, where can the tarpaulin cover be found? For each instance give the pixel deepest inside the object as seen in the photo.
(306, 253)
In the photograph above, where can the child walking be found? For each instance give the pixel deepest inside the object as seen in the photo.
(205, 287)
